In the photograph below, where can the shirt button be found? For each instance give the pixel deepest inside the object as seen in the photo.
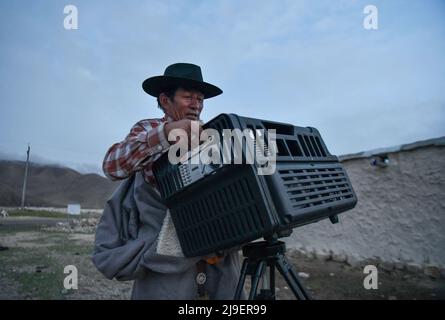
(159, 148)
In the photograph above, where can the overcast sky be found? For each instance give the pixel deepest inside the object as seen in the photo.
(73, 93)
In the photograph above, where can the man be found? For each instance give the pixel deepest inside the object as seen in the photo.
(128, 233)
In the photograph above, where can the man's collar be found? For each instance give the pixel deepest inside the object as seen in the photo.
(170, 119)
(167, 118)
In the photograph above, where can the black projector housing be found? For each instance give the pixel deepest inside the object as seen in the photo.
(218, 207)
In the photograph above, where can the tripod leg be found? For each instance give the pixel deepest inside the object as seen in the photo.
(256, 278)
(268, 290)
(242, 280)
(272, 280)
(297, 281)
(291, 278)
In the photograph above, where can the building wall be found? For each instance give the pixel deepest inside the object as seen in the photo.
(399, 217)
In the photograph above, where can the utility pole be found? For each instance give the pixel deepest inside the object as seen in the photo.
(26, 178)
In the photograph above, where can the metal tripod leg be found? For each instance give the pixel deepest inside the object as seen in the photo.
(242, 280)
(255, 269)
(260, 265)
(268, 290)
(291, 278)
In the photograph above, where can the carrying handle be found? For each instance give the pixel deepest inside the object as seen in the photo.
(280, 128)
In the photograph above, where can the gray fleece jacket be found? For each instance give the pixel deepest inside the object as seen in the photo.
(126, 242)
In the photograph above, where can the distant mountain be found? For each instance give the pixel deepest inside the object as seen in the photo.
(51, 186)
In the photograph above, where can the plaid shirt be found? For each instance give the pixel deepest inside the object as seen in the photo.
(145, 143)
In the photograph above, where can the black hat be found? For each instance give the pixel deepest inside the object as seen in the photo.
(180, 74)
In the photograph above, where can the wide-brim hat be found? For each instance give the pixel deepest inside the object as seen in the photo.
(180, 74)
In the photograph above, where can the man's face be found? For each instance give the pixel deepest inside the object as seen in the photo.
(186, 104)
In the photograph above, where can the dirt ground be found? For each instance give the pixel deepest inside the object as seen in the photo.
(32, 261)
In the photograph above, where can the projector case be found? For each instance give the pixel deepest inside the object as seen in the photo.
(234, 205)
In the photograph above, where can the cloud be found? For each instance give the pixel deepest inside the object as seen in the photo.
(302, 62)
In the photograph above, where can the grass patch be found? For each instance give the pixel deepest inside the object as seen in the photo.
(43, 286)
(39, 214)
(38, 271)
(50, 214)
(46, 284)
(73, 249)
(13, 229)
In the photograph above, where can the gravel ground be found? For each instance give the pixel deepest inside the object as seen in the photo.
(32, 268)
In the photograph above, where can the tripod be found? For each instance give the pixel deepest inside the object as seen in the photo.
(259, 255)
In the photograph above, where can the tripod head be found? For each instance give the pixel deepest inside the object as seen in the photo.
(268, 254)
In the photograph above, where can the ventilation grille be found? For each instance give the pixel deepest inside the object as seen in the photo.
(168, 176)
(311, 187)
(223, 217)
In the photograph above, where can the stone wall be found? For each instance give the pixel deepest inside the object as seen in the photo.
(400, 214)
